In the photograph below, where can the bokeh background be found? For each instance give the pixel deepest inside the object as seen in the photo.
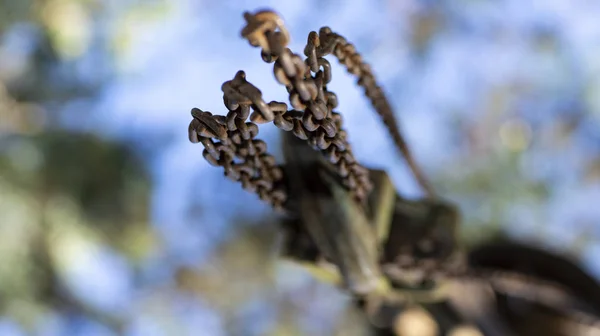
(112, 223)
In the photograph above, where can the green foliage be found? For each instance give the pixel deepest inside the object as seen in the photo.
(62, 189)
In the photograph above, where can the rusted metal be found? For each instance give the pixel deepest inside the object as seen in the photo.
(312, 118)
(414, 259)
(328, 42)
(306, 82)
(230, 141)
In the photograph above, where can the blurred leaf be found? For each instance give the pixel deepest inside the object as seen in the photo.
(592, 170)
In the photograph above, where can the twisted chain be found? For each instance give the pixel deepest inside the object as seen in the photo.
(327, 42)
(244, 158)
(313, 118)
(306, 83)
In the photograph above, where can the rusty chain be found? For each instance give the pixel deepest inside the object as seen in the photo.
(328, 42)
(230, 141)
(313, 118)
(306, 83)
(244, 158)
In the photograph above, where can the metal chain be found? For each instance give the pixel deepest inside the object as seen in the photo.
(235, 139)
(313, 118)
(307, 88)
(230, 141)
(328, 42)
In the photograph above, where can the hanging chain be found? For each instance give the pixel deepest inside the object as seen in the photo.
(328, 42)
(230, 141)
(313, 118)
(306, 83)
(243, 157)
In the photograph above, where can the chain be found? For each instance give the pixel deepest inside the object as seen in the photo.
(230, 141)
(244, 158)
(328, 42)
(307, 89)
(313, 118)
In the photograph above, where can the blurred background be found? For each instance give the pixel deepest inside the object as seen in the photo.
(112, 223)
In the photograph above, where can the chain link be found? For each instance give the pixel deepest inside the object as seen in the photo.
(313, 118)
(306, 83)
(236, 149)
(328, 42)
